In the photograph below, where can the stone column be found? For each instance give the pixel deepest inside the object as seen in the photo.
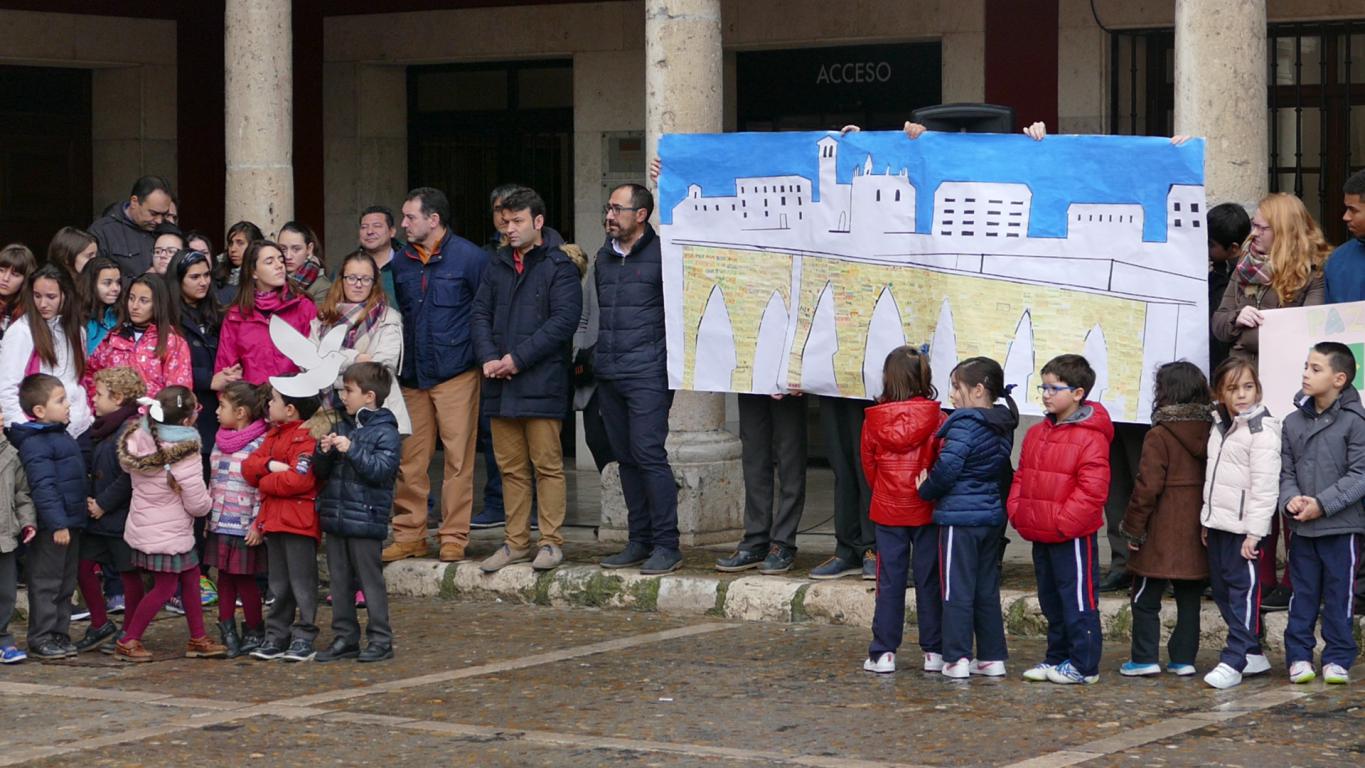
(259, 113)
(683, 94)
(1220, 92)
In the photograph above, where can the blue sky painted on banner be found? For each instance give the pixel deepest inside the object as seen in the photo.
(1060, 170)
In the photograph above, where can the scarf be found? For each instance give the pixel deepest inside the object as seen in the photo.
(306, 274)
(234, 440)
(109, 423)
(270, 302)
(354, 317)
(1253, 272)
(171, 433)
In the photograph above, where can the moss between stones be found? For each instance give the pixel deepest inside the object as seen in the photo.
(645, 595)
(721, 588)
(448, 589)
(799, 604)
(539, 593)
(1121, 626)
(594, 591)
(1020, 620)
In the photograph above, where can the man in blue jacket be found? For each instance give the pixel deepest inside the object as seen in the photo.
(630, 362)
(436, 278)
(524, 317)
(1345, 268)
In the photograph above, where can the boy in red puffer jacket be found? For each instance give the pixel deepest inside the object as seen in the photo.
(1057, 502)
(898, 444)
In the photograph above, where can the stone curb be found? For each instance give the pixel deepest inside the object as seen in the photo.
(749, 598)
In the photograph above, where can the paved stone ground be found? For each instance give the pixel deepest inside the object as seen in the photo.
(488, 684)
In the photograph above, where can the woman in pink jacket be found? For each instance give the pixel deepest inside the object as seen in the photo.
(245, 351)
(162, 456)
(147, 340)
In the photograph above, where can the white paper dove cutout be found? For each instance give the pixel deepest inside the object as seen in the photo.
(318, 363)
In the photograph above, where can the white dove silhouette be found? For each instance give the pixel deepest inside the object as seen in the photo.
(318, 363)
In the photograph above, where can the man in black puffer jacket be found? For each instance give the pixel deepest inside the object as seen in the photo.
(357, 464)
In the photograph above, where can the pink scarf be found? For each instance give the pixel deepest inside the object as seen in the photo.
(234, 440)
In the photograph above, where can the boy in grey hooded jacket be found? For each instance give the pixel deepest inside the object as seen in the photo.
(18, 523)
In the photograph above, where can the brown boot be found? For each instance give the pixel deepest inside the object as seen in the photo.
(131, 650)
(452, 552)
(204, 648)
(401, 550)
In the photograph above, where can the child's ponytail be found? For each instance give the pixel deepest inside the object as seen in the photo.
(989, 374)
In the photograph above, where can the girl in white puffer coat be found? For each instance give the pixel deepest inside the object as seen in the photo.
(1241, 491)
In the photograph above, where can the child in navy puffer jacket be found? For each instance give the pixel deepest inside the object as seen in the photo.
(965, 485)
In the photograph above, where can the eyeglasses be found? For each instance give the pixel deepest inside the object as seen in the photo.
(617, 210)
(1052, 389)
(168, 251)
(358, 279)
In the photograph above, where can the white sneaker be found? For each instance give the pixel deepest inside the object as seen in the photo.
(958, 670)
(884, 664)
(1257, 664)
(1335, 674)
(933, 662)
(1302, 672)
(987, 668)
(1037, 673)
(1181, 670)
(1223, 676)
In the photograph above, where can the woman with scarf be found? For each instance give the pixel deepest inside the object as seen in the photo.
(1281, 267)
(303, 260)
(245, 349)
(374, 329)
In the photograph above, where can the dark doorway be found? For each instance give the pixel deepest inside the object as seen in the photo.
(472, 127)
(45, 153)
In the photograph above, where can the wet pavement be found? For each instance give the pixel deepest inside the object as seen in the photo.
(489, 684)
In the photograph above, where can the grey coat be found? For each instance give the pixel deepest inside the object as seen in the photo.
(1322, 455)
(16, 507)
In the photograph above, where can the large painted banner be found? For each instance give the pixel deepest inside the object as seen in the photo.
(1285, 337)
(798, 260)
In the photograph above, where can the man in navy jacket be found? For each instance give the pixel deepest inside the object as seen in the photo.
(435, 279)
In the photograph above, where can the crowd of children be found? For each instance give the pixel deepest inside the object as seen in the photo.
(125, 497)
(1216, 468)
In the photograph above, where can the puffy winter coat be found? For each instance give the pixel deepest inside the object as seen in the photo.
(16, 503)
(630, 304)
(532, 316)
(1063, 478)
(898, 443)
(56, 474)
(964, 483)
(236, 503)
(123, 241)
(357, 490)
(110, 486)
(436, 299)
(1163, 512)
(287, 497)
(246, 339)
(1242, 484)
(16, 355)
(96, 328)
(384, 344)
(1322, 455)
(202, 338)
(160, 518)
(122, 348)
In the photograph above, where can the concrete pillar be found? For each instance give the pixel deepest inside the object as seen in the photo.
(683, 94)
(258, 57)
(1220, 92)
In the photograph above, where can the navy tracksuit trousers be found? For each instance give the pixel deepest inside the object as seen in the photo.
(1067, 573)
(969, 567)
(904, 551)
(1323, 570)
(1236, 585)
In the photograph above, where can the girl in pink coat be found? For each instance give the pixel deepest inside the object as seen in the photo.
(162, 456)
(245, 351)
(147, 340)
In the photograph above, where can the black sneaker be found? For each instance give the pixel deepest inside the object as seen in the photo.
(95, 636)
(339, 649)
(375, 652)
(741, 560)
(836, 568)
(299, 650)
(489, 518)
(633, 554)
(1116, 581)
(48, 650)
(662, 561)
(779, 560)
(1277, 600)
(269, 650)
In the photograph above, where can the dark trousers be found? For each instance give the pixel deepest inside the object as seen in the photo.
(1124, 453)
(293, 572)
(1237, 588)
(51, 582)
(1067, 574)
(9, 593)
(773, 432)
(841, 421)
(1184, 643)
(595, 434)
(492, 485)
(903, 552)
(1323, 569)
(349, 560)
(969, 565)
(635, 412)
(1269, 559)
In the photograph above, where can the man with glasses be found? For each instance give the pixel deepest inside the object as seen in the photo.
(127, 234)
(630, 363)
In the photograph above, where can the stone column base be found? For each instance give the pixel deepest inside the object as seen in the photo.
(710, 479)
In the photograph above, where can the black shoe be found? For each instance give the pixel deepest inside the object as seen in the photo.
(268, 650)
(375, 652)
(662, 561)
(251, 640)
(95, 636)
(69, 648)
(741, 560)
(1116, 581)
(227, 630)
(339, 649)
(48, 650)
(299, 650)
(633, 554)
(779, 560)
(1277, 600)
(107, 647)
